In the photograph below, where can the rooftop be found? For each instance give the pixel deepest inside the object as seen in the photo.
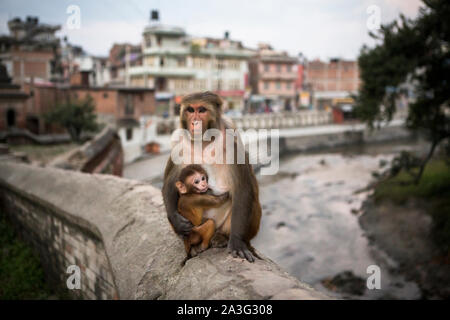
(165, 30)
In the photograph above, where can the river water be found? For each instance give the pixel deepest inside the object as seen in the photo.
(310, 219)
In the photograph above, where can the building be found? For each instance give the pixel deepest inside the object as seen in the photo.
(13, 108)
(175, 64)
(332, 83)
(273, 78)
(31, 50)
(75, 60)
(24, 107)
(121, 58)
(126, 108)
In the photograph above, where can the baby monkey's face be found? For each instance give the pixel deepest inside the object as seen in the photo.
(198, 182)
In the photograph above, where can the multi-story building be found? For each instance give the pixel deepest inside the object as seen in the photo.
(175, 64)
(273, 77)
(12, 103)
(75, 60)
(121, 58)
(332, 83)
(31, 50)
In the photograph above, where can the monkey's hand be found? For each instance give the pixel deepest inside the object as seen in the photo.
(237, 247)
(181, 225)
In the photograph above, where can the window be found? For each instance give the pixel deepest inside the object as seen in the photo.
(288, 85)
(149, 61)
(158, 40)
(105, 95)
(11, 117)
(278, 67)
(220, 84)
(266, 67)
(148, 41)
(199, 62)
(129, 107)
(278, 85)
(220, 64)
(181, 62)
(234, 84)
(200, 84)
(129, 134)
(161, 61)
(234, 64)
(288, 68)
(181, 84)
(266, 85)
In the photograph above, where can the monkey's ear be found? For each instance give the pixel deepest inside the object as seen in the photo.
(181, 187)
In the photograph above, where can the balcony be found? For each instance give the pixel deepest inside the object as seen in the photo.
(282, 75)
(162, 71)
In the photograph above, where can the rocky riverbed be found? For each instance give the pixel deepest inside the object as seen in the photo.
(404, 232)
(310, 225)
(314, 225)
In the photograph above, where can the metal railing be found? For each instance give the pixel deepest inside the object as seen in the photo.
(261, 121)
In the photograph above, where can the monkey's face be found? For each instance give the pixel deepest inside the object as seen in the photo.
(195, 183)
(198, 182)
(198, 116)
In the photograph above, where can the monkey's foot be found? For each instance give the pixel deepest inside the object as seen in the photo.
(195, 250)
(238, 248)
(219, 241)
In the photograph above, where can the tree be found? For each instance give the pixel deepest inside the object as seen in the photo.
(76, 116)
(416, 52)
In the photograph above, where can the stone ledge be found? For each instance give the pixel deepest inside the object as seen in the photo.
(144, 254)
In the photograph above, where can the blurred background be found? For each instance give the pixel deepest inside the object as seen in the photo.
(359, 92)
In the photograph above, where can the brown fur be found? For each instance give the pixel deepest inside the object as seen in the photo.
(191, 205)
(243, 188)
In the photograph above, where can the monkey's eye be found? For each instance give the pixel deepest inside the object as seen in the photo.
(202, 109)
(203, 178)
(190, 109)
(196, 181)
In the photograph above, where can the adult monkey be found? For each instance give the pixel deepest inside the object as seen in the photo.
(239, 218)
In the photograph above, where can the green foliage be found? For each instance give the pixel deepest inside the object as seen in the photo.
(21, 274)
(441, 223)
(195, 48)
(416, 53)
(434, 188)
(43, 153)
(76, 116)
(405, 161)
(435, 182)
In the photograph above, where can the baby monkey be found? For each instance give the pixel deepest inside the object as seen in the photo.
(195, 198)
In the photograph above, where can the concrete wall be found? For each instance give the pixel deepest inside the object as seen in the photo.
(117, 232)
(347, 136)
(61, 243)
(133, 147)
(320, 141)
(102, 154)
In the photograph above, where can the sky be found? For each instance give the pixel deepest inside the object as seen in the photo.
(318, 28)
